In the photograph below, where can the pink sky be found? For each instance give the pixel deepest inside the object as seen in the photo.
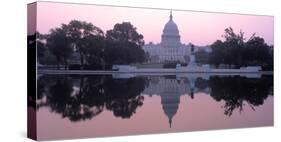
(199, 28)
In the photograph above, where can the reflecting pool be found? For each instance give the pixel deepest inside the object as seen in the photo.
(76, 106)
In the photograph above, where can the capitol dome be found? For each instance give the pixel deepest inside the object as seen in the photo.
(170, 36)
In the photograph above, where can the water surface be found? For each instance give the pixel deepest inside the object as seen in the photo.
(76, 106)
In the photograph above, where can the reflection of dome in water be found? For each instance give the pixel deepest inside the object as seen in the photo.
(170, 36)
(170, 103)
(171, 88)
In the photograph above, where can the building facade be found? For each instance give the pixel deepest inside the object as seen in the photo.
(170, 48)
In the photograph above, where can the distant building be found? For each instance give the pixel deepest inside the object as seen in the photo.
(170, 48)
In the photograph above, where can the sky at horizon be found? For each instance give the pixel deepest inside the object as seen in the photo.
(199, 28)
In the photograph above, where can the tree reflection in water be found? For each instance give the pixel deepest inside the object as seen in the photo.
(235, 91)
(124, 95)
(84, 97)
(78, 97)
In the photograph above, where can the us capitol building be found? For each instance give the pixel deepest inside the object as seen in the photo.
(170, 48)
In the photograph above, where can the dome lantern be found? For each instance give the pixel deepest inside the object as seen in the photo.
(171, 15)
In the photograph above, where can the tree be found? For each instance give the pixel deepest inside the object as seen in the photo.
(41, 46)
(234, 44)
(236, 51)
(257, 52)
(125, 32)
(40, 49)
(123, 53)
(230, 36)
(60, 45)
(124, 45)
(80, 33)
(44, 54)
(201, 56)
(94, 49)
(228, 52)
(217, 56)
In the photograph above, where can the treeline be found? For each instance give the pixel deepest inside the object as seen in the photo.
(236, 52)
(84, 44)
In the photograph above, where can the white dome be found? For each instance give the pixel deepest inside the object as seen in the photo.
(171, 28)
(170, 36)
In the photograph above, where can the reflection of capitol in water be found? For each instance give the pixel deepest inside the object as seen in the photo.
(82, 98)
(170, 89)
